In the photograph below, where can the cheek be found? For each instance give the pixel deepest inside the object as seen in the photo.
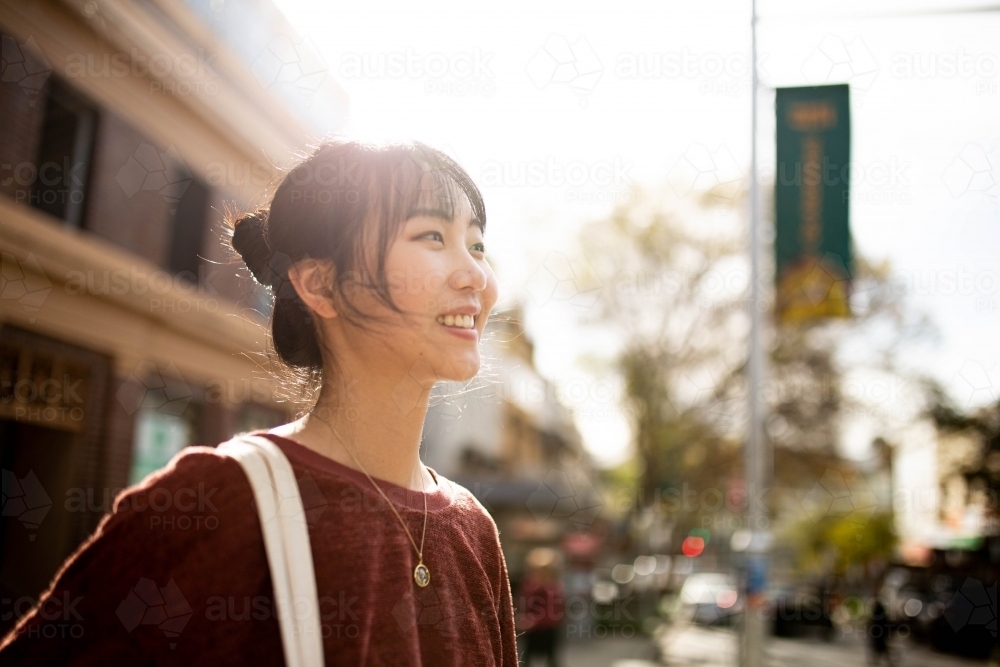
(414, 281)
(492, 291)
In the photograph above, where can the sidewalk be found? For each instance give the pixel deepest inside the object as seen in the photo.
(636, 651)
(607, 652)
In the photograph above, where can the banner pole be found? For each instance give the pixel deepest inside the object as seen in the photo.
(752, 650)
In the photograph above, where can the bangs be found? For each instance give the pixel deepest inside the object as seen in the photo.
(413, 178)
(426, 179)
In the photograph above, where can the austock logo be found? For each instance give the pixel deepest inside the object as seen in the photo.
(561, 62)
(564, 496)
(169, 73)
(418, 382)
(837, 496)
(150, 170)
(261, 608)
(147, 387)
(458, 73)
(419, 179)
(149, 604)
(834, 60)
(314, 503)
(24, 282)
(185, 508)
(974, 605)
(978, 382)
(293, 63)
(59, 613)
(424, 606)
(826, 277)
(24, 65)
(975, 170)
(25, 499)
(565, 279)
(701, 169)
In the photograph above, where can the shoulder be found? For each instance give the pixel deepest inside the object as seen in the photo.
(198, 481)
(479, 531)
(468, 506)
(181, 521)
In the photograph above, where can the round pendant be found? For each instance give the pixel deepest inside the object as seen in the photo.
(422, 575)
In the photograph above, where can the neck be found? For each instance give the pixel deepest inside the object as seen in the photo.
(380, 419)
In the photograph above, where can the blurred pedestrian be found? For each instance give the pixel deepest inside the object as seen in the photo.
(879, 630)
(543, 606)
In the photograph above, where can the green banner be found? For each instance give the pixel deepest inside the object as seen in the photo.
(812, 242)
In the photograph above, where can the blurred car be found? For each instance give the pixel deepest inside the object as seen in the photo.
(950, 609)
(710, 598)
(967, 624)
(910, 601)
(800, 612)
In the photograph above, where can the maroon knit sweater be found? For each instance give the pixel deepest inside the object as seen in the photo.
(177, 575)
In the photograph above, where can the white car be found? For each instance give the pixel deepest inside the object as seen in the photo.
(710, 598)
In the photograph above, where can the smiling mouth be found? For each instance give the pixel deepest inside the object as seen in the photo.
(457, 321)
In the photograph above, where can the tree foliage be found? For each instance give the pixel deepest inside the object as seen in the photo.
(833, 544)
(675, 277)
(672, 292)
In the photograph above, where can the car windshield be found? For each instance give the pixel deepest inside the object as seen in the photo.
(704, 588)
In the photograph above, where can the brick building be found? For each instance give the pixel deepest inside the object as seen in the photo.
(126, 130)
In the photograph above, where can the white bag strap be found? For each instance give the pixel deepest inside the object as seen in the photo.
(286, 541)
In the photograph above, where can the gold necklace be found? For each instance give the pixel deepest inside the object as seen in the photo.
(421, 574)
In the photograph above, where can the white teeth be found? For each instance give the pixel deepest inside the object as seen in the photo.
(459, 321)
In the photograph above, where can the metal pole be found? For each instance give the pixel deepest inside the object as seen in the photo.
(751, 652)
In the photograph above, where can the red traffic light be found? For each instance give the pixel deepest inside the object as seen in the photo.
(693, 546)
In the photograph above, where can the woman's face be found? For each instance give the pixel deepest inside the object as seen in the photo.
(438, 277)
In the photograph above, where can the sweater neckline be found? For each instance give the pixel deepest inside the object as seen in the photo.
(437, 499)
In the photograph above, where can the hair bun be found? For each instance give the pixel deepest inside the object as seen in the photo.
(250, 240)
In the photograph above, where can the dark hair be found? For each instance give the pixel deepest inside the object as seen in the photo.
(345, 203)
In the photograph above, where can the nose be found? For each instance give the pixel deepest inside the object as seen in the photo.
(468, 275)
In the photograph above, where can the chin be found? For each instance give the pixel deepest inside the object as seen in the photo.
(460, 368)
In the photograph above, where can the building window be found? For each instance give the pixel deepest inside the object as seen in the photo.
(42, 383)
(158, 437)
(64, 151)
(189, 230)
(253, 417)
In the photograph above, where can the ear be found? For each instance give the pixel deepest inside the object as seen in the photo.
(313, 282)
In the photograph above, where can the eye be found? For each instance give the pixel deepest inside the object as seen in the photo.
(433, 236)
(478, 247)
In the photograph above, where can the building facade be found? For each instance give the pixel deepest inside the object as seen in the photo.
(126, 329)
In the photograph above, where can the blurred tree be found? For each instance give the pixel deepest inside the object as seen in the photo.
(675, 278)
(672, 293)
(834, 544)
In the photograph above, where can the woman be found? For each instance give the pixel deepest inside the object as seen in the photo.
(374, 257)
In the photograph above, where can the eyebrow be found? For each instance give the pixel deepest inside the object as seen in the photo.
(443, 215)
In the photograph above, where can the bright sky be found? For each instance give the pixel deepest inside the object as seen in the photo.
(590, 98)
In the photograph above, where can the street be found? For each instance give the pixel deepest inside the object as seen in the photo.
(706, 647)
